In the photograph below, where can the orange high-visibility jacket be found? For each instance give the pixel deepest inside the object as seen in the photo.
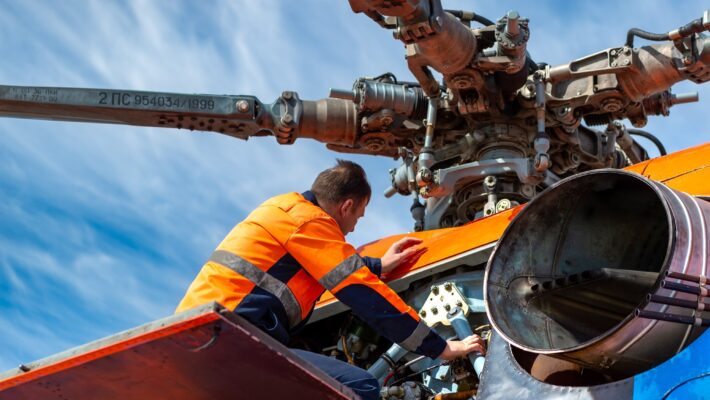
(273, 266)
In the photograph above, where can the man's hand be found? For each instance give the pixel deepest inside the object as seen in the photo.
(402, 252)
(459, 348)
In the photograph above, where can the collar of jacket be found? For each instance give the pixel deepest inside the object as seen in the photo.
(308, 195)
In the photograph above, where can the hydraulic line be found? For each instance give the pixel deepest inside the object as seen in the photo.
(470, 16)
(651, 137)
(656, 37)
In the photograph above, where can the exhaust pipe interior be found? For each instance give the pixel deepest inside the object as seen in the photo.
(573, 268)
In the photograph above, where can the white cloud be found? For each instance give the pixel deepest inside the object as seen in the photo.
(106, 225)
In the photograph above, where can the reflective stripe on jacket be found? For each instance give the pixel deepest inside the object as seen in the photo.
(273, 266)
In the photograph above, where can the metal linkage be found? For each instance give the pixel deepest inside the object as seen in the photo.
(542, 141)
(426, 156)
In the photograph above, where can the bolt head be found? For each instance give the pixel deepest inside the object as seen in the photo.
(287, 95)
(242, 106)
(287, 118)
(447, 286)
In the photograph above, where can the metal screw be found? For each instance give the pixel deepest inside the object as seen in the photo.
(627, 62)
(287, 95)
(287, 118)
(447, 307)
(459, 303)
(242, 106)
(447, 286)
(613, 64)
(434, 310)
(435, 290)
(422, 313)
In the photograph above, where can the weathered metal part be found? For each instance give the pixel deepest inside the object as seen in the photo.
(331, 121)
(687, 277)
(167, 359)
(504, 378)
(573, 266)
(681, 319)
(402, 99)
(447, 179)
(693, 305)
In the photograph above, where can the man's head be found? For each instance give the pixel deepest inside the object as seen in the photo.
(343, 192)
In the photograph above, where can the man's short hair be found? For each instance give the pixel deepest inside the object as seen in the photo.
(346, 180)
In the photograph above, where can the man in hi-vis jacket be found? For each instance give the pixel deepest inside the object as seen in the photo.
(273, 266)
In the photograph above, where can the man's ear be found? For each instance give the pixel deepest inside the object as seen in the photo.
(346, 206)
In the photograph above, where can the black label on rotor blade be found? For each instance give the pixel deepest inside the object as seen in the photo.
(154, 100)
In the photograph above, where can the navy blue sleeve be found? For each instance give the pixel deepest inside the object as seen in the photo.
(374, 264)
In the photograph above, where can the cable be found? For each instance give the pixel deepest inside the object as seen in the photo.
(471, 16)
(403, 366)
(417, 373)
(669, 392)
(657, 37)
(687, 30)
(386, 75)
(344, 342)
(651, 137)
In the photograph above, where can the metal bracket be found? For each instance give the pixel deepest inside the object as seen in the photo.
(442, 299)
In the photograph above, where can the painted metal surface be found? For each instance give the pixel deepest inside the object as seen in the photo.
(684, 377)
(204, 353)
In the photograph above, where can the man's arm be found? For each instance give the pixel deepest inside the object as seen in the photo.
(319, 246)
(374, 265)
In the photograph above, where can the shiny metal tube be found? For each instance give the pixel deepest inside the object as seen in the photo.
(463, 330)
(381, 367)
(601, 244)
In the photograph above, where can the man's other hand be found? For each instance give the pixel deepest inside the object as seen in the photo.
(402, 252)
(459, 348)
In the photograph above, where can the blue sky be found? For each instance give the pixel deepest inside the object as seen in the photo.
(103, 227)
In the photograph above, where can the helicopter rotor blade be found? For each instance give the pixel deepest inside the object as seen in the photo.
(238, 116)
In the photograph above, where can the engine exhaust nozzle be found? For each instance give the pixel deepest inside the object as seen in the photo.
(571, 272)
